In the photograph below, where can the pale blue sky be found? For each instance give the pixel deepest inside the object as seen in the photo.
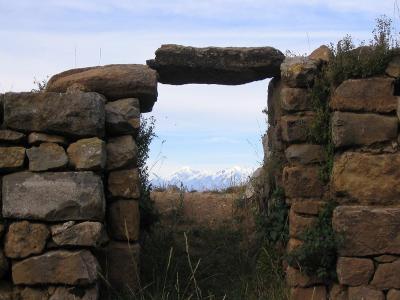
(205, 127)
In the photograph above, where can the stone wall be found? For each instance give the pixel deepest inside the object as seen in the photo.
(70, 184)
(364, 181)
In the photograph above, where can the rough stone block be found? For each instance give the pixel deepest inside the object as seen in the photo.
(11, 158)
(367, 95)
(113, 81)
(123, 116)
(302, 182)
(215, 65)
(338, 292)
(293, 244)
(88, 154)
(24, 239)
(79, 114)
(349, 129)
(11, 136)
(60, 196)
(393, 294)
(48, 156)
(298, 71)
(124, 220)
(366, 178)
(308, 207)
(368, 230)
(299, 224)
(311, 293)
(120, 265)
(365, 293)
(294, 278)
(57, 267)
(124, 184)
(295, 99)
(386, 258)
(121, 152)
(295, 128)
(305, 154)
(36, 138)
(85, 234)
(387, 276)
(354, 271)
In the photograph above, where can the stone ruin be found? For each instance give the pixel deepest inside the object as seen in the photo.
(70, 185)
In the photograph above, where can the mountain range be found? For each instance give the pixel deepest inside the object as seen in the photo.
(203, 180)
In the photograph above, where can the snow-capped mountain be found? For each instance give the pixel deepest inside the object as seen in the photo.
(203, 180)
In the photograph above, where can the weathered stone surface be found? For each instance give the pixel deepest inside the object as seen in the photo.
(365, 293)
(302, 182)
(387, 276)
(350, 129)
(293, 244)
(11, 136)
(121, 152)
(112, 81)
(124, 184)
(66, 114)
(87, 154)
(305, 154)
(24, 239)
(11, 158)
(53, 196)
(393, 294)
(312, 293)
(299, 224)
(308, 207)
(368, 230)
(36, 138)
(120, 265)
(48, 156)
(354, 271)
(368, 95)
(298, 71)
(295, 128)
(123, 116)
(86, 234)
(29, 293)
(393, 69)
(386, 258)
(295, 99)
(274, 106)
(57, 267)
(214, 65)
(294, 278)
(73, 293)
(367, 178)
(322, 53)
(124, 220)
(338, 292)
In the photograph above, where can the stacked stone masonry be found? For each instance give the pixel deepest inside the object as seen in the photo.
(70, 184)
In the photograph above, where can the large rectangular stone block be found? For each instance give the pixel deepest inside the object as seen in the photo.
(57, 267)
(368, 230)
(52, 196)
(367, 178)
(74, 114)
(369, 95)
(362, 129)
(302, 182)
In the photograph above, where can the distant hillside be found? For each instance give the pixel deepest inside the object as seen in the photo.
(202, 181)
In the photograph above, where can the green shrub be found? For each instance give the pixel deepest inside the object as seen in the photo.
(318, 255)
(148, 213)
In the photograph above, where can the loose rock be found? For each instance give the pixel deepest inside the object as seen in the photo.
(11, 158)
